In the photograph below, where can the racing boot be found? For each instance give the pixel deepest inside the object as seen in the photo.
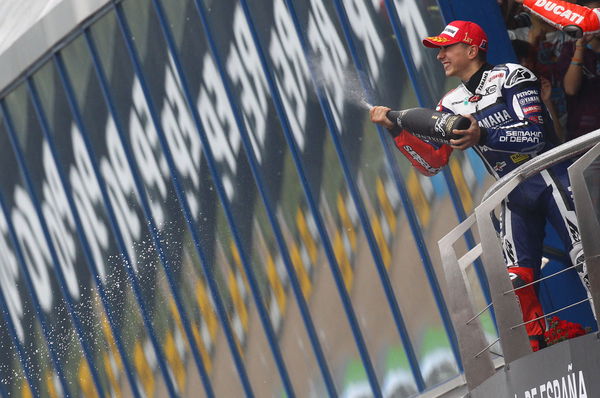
(530, 305)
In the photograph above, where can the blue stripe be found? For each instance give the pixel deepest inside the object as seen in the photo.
(85, 345)
(210, 279)
(115, 226)
(297, 289)
(23, 359)
(364, 218)
(335, 269)
(399, 181)
(80, 231)
(36, 303)
(141, 192)
(212, 166)
(422, 96)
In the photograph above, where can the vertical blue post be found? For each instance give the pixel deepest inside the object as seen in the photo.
(220, 306)
(36, 303)
(254, 166)
(362, 213)
(87, 352)
(45, 127)
(339, 280)
(117, 233)
(269, 207)
(400, 186)
(103, 81)
(12, 331)
(258, 300)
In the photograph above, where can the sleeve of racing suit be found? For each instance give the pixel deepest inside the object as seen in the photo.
(523, 128)
(560, 13)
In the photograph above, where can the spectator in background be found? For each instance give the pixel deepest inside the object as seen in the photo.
(518, 22)
(546, 44)
(579, 63)
(514, 15)
(526, 56)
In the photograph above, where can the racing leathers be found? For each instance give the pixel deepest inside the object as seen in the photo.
(515, 127)
(562, 14)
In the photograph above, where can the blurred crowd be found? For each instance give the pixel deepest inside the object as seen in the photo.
(568, 68)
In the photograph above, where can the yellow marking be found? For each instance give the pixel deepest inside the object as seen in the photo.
(461, 184)
(307, 238)
(519, 158)
(276, 285)
(144, 371)
(110, 338)
(438, 39)
(238, 263)
(50, 384)
(112, 380)
(85, 380)
(175, 361)
(26, 390)
(179, 323)
(303, 277)
(342, 259)
(238, 300)
(418, 198)
(386, 206)
(386, 255)
(206, 360)
(176, 314)
(346, 222)
(206, 310)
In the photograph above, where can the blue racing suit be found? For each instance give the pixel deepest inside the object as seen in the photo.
(515, 127)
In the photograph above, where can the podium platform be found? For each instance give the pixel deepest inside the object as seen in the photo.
(505, 366)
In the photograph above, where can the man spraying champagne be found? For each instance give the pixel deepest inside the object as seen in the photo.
(509, 125)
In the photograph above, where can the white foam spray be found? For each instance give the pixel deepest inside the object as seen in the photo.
(352, 88)
(365, 104)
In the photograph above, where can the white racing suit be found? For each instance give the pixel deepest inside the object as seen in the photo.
(505, 101)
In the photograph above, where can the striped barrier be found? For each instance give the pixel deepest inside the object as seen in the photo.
(199, 208)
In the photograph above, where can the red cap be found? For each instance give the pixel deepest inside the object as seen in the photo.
(459, 32)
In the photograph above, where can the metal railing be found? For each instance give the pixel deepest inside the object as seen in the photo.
(473, 345)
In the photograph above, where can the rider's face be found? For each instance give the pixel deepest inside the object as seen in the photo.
(454, 58)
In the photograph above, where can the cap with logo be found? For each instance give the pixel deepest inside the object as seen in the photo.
(459, 32)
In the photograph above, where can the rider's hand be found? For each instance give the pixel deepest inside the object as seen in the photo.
(469, 137)
(379, 116)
